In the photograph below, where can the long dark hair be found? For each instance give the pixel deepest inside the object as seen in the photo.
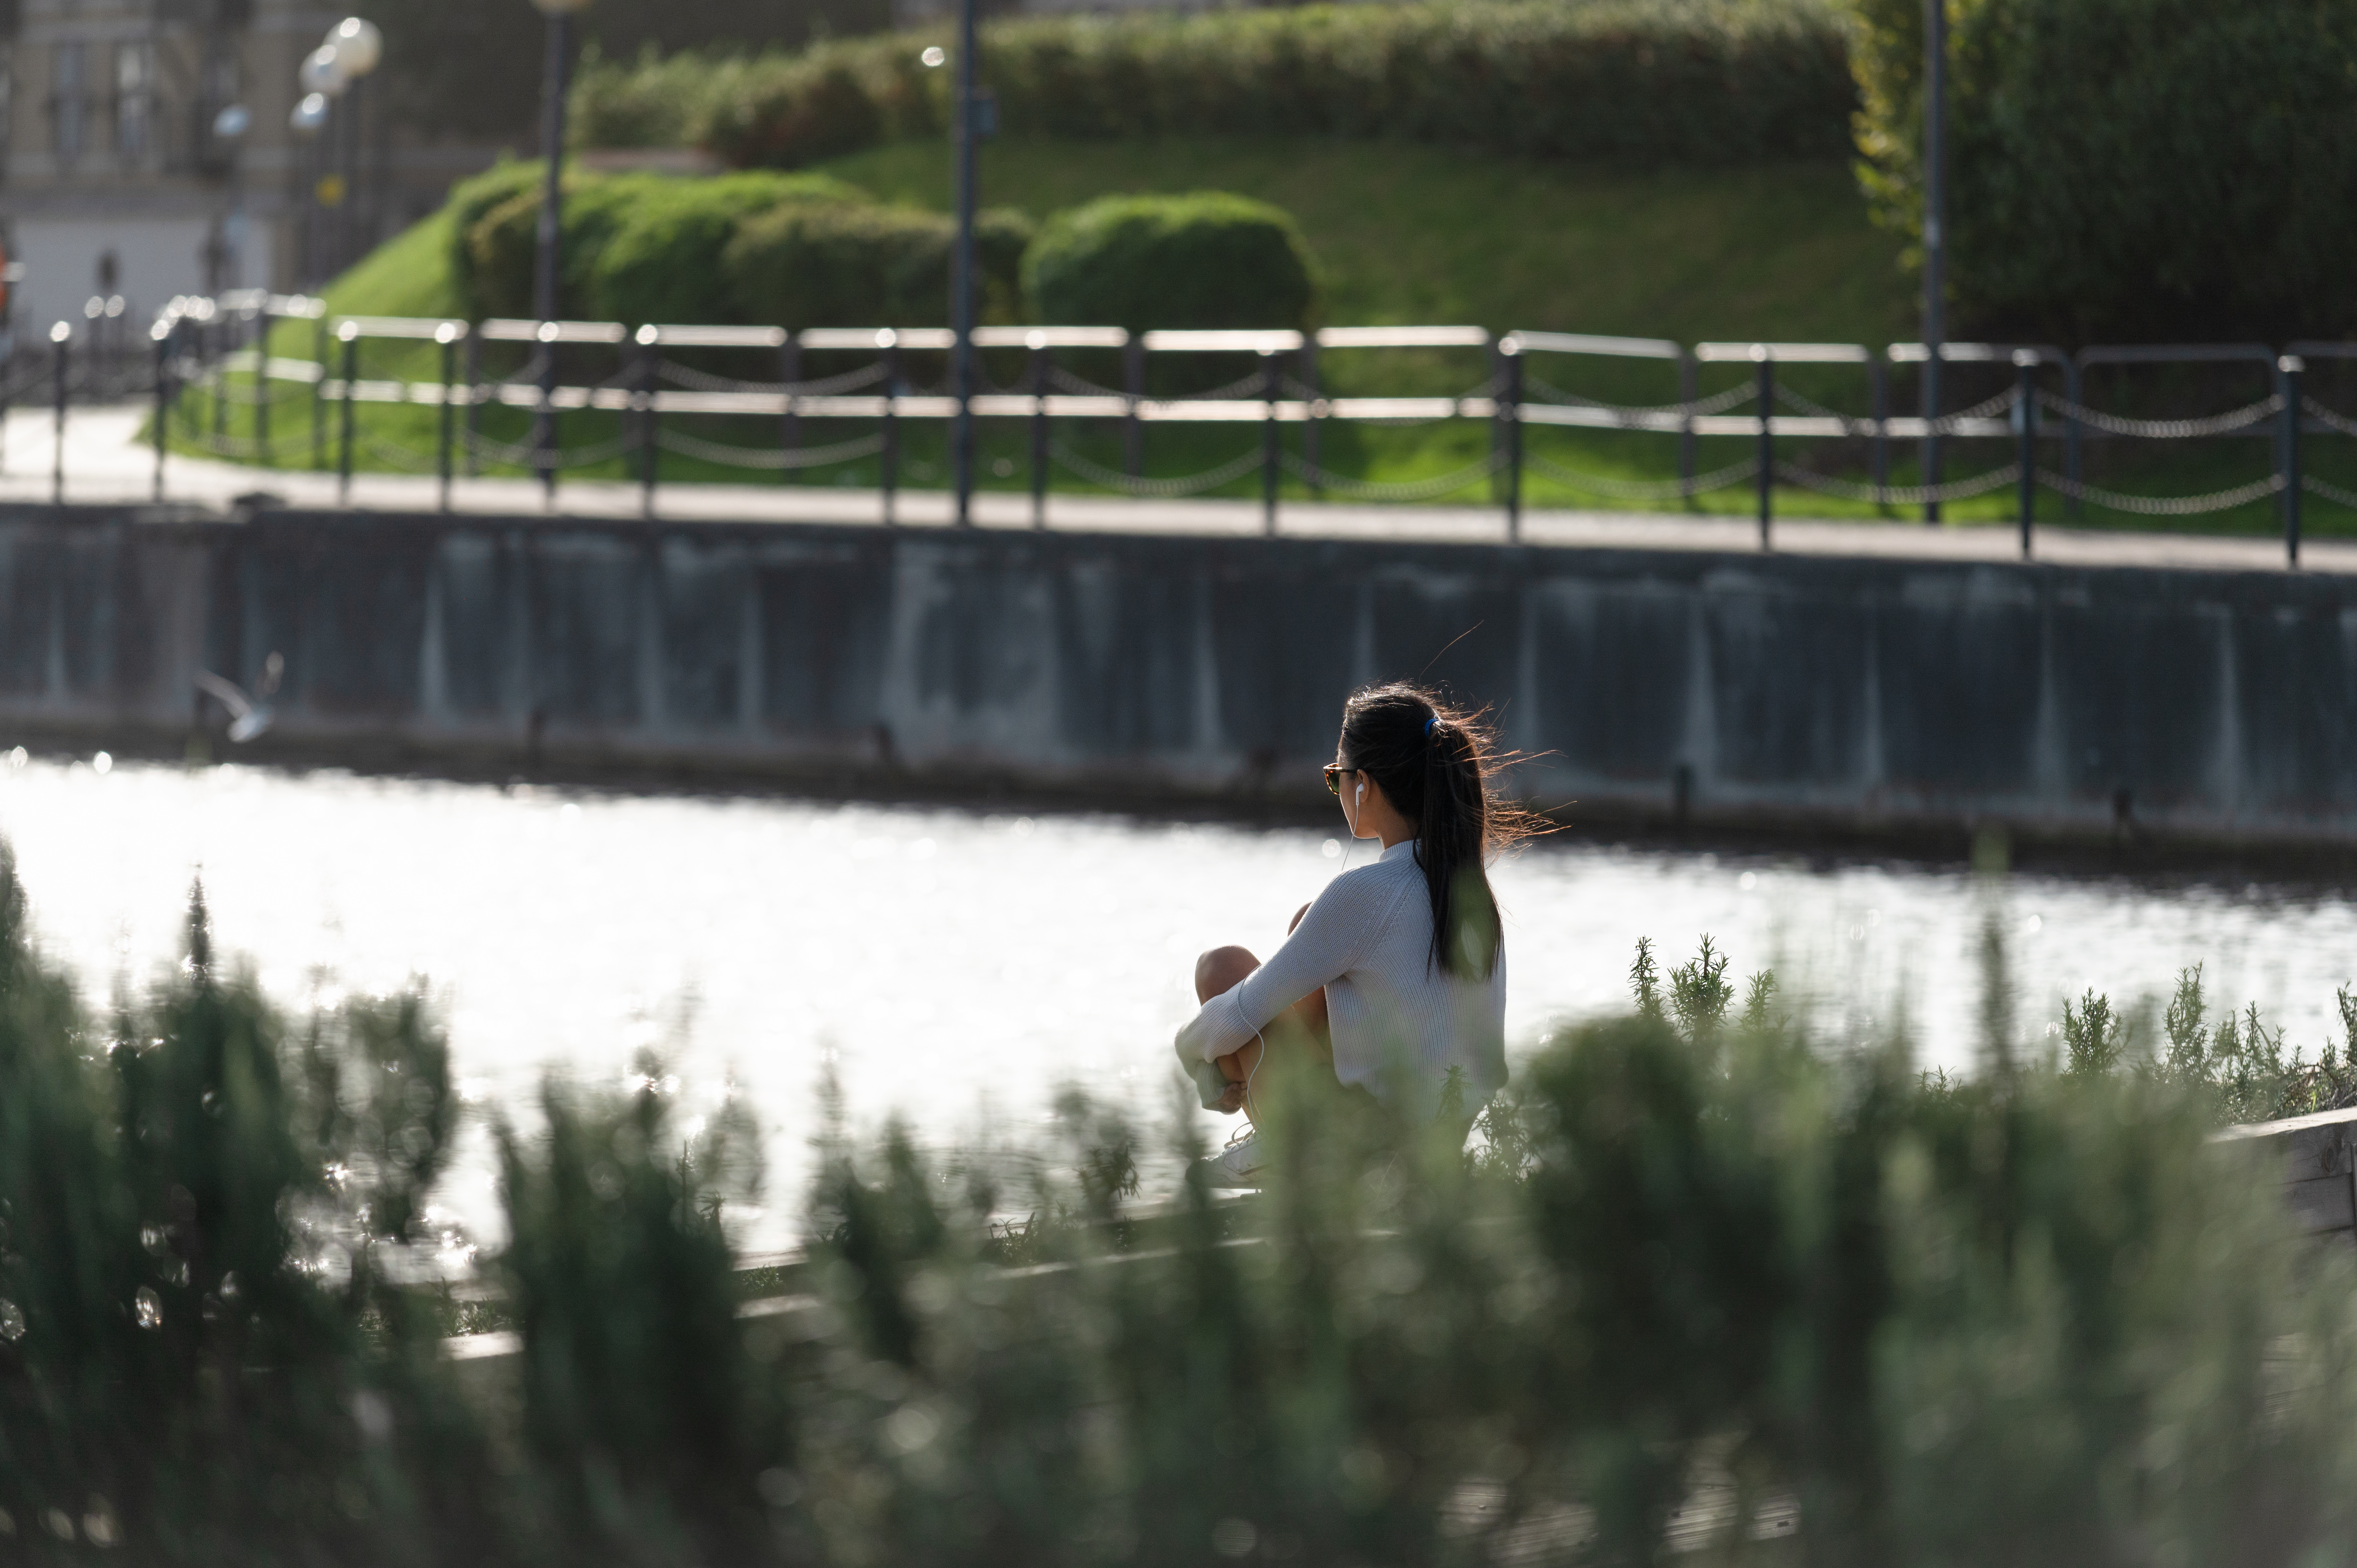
(1434, 764)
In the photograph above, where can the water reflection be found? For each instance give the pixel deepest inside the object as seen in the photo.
(943, 962)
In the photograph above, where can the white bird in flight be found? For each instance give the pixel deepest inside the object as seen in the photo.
(249, 716)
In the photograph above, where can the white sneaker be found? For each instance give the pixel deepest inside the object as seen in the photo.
(1237, 1166)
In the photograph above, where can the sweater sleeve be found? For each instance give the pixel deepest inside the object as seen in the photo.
(1322, 948)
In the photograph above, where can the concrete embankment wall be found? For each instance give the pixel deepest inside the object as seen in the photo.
(1835, 692)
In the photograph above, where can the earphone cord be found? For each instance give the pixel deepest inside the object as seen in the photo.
(1253, 1074)
(1352, 842)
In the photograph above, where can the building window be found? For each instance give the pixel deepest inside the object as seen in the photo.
(69, 101)
(134, 96)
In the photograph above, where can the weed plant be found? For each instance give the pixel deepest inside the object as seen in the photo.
(205, 1356)
(1703, 1280)
(2238, 1065)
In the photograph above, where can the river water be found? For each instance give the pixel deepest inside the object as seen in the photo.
(957, 968)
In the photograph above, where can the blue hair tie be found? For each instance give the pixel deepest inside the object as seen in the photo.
(1428, 723)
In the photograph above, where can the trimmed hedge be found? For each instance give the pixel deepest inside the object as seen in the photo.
(663, 262)
(754, 247)
(1638, 81)
(864, 265)
(2129, 168)
(1207, 259)
(494, 235)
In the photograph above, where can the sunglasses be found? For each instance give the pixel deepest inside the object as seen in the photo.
(1334, 771)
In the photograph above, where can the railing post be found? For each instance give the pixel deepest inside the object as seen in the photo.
(319, 396)
(1513, 413)
(351, 333)
(1272, 386)
(1039, 351)
(1877, 376)
(1497, 417)
(448, 336)
(1689, 388)
(8, 396)
(789, 422)
(1930, 451)
(888, 474)
(262, 387)
(2288, 377)
(162, 336)
(650, 421)
(2025, 407)
(1132, 432)
(61, 341)
(2072, 386)
(221, 342)
(544, 432)
(1767, 444)
(1313, 401)
(474, 401)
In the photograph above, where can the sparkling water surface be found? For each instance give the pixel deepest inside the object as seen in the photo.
(958, 967)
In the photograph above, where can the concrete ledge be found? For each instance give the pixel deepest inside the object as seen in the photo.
(2090, 704)
(2319, 1156)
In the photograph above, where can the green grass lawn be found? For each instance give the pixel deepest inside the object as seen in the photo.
(1408, 234)
(409, 274)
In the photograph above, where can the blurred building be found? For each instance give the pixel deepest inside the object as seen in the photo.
(113, 181)
(114, 178)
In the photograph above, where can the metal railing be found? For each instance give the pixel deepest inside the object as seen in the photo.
(652, 390)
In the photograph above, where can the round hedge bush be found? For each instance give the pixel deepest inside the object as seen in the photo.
(662, 262)
(654, 247)
(496, 228)
(1207, 259)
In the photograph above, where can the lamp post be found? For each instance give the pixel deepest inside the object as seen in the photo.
(230, 127)
(341, 62)
(321, 80)
(1935, 229)
(357, 46)
(967, 130)
(554, 71)
(308, 120)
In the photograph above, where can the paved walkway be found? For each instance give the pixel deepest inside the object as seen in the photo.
(104, 463)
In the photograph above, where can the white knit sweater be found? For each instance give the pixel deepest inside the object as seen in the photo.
(1368, 940)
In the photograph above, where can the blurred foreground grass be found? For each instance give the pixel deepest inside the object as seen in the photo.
(1703, 1281)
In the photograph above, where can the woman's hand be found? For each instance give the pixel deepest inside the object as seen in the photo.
(1237, 1069)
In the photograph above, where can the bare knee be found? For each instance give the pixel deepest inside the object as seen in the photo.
(1221, 970)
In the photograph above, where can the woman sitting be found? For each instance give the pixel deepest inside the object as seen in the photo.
(1395, 973)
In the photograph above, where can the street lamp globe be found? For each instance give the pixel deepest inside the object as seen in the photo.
(310, 115)
(358, 43)
(323, 73)
(233, 122)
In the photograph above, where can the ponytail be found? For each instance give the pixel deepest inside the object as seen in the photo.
(1434, 764)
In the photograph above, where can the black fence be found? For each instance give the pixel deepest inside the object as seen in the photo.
(828, 396)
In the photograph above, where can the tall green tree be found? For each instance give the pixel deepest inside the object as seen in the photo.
(2127, 169)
